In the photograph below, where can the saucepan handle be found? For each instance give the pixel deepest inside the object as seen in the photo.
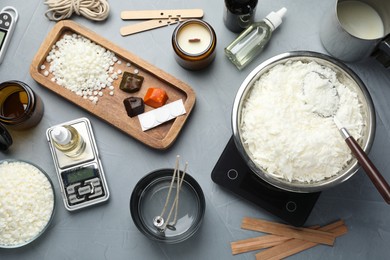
(370, 169)
(382, 51)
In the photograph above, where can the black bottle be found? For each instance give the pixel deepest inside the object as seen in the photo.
(239, 14)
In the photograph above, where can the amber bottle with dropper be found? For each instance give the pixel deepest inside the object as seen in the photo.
(68, 140)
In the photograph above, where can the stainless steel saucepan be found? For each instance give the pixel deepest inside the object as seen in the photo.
(345, 75)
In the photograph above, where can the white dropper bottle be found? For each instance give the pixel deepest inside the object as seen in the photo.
(251, 41)
(68, 140)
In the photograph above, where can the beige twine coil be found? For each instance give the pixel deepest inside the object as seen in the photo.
(96, 10)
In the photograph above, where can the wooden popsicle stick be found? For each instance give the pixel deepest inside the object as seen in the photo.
(294, 246)
(159, 14)
(307, 234)
(256, 243)
(144, 26)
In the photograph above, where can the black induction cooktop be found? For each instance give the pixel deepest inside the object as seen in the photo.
(232, 173)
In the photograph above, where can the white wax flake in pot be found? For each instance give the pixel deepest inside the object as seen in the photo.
(320, 93)
(26, 202)
(80, 65)
(285, 136)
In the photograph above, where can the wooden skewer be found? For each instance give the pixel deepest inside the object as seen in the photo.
(294, 246)
(317, 236)
(261, 242)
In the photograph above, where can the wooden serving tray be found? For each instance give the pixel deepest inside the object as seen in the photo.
(111, 108)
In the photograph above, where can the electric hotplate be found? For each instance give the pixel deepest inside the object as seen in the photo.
(232, 173)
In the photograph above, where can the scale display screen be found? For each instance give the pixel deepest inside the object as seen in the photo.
(2, 37)
(79, 174)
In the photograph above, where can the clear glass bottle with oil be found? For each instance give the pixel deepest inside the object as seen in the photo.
(68, 140)
(251, 41)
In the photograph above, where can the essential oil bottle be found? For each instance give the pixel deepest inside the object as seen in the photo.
(68, 140)
(251, 41)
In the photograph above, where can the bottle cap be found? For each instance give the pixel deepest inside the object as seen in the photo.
(275, 18)
(61, 135)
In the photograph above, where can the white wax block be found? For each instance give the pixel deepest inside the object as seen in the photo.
(161, 115)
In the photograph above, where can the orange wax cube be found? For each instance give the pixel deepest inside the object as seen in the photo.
(155, 97)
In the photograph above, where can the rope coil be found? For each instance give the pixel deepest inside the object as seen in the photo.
(96, 10)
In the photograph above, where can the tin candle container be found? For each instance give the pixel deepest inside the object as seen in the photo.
(20, 107)
(194, 42)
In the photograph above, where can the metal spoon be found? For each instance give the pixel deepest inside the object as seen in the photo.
(375, 176)
(372, 172)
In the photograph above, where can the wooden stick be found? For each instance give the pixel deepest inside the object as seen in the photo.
(160, 14)
(307, 234)
(294, 246)
(256, 243)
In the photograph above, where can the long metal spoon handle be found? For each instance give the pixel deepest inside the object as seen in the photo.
(377, 179)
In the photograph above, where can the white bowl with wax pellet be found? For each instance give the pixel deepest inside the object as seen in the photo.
(27, 202)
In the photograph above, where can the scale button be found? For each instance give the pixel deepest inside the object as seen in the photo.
(232, 174)
(291, 206)
(6, 24)
(84, 190)
(73, 199)
(94, 181)
(5, 17)
(71, 189)
(98, 192)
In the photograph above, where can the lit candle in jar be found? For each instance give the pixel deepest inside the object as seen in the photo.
(194, 43)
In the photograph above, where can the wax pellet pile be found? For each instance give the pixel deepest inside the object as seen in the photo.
(82, 66)
(26, 202)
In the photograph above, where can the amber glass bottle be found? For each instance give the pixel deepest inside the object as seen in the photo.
(239, 14)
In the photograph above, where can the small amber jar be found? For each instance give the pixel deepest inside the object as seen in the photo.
(194, 42)
(20, 107)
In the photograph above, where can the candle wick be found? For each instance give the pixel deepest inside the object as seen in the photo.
(194, 40)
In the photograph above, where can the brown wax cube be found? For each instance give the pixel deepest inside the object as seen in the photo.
(134, 106)
(131, 82)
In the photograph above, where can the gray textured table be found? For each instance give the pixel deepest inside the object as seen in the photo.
(107, 231)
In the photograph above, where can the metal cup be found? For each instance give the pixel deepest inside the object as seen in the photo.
(343, 32)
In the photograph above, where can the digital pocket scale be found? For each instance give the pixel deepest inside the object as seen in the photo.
(81, 179)
(8, 19)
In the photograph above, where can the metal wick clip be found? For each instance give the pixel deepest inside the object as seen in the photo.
(158, 18)
(159, 222)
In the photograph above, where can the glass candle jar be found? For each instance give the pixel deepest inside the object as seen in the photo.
(20, 107)
(194, 42)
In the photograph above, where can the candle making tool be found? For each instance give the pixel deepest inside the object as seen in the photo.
(322, 110)
(372, 172)
(157, 19)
